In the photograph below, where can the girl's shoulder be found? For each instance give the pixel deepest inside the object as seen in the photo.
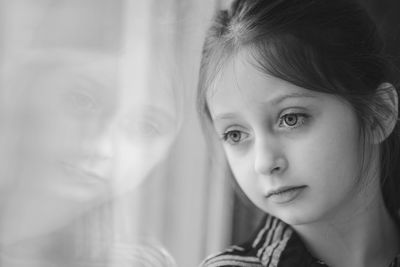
(234, 256)
(264, 249)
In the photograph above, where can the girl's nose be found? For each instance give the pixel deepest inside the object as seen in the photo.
(99, 142)
(269, 158)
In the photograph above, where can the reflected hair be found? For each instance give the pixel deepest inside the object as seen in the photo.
(326, 46)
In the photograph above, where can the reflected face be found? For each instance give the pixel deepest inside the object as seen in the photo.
(98, 137)
(294, 152)
(86, 140)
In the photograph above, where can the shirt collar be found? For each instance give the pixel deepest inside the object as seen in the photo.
(276, 242)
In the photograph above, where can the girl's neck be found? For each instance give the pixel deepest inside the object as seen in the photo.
(367, 238)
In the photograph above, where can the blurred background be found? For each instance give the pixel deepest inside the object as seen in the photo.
(102, 158)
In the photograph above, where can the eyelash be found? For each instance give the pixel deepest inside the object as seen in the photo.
(80, 101)
(227, 136)
(300, 119)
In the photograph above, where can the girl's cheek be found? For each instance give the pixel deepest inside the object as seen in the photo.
(242, 167)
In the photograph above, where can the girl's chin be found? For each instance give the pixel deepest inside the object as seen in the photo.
(297, 217)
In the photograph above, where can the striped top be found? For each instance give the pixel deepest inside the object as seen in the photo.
(274, 245)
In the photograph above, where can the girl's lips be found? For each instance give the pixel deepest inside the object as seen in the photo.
(81, 173)
(285, 194)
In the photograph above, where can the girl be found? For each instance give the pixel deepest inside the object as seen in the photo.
(301, 95)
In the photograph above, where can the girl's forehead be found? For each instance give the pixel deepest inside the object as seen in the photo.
(242, 76)
(234, 66)
(229, 71)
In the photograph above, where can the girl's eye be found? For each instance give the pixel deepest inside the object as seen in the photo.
(234, 137)
(78, 101)
(144, 129)
(292, 120)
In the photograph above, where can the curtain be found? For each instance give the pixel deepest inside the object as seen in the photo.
(102, 158)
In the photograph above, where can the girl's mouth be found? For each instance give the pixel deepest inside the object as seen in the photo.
(82, 174)
(285, 194)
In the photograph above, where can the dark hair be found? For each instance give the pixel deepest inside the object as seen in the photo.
(325, 46)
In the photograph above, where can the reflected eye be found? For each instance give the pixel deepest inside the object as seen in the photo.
(292, 120)
(147, 128)
(149, 123)
(234, 137)
(144, 129)
(79, 101)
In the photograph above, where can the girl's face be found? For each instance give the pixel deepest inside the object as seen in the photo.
(91, 137)
(294, 152)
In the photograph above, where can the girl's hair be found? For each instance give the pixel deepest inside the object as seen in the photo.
(326, 46)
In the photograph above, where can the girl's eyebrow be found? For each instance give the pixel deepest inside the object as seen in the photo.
(154, 112)
(224, 116)
(274, 101)
(282, 98)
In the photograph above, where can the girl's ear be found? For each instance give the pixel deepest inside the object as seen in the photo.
(384, 123)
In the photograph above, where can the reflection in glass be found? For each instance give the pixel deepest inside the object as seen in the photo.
(82, 141)
(90, 106)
